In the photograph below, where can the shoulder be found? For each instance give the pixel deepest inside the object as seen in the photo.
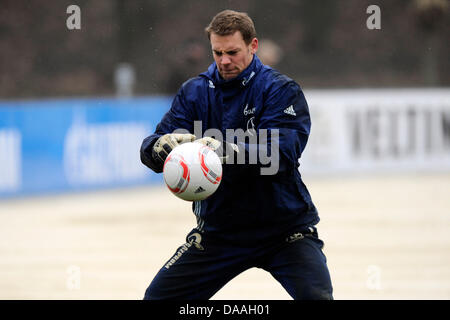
(192, 84)
(274, 82)
(193, 88)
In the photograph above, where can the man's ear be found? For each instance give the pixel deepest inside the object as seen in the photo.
(254, 45)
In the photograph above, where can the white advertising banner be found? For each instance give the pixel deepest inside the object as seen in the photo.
(366, 130)
(10, 159)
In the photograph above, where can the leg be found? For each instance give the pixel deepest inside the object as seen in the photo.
(196, 271)
(301, 269)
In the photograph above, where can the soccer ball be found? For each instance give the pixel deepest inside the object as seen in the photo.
(192, 171)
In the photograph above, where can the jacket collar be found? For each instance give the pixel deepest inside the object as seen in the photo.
(241, 80)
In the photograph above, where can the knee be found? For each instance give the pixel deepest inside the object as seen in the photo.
(153, 293)
(314, 293)
(148, 295)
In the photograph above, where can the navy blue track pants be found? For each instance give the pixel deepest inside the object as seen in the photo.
(203, 265)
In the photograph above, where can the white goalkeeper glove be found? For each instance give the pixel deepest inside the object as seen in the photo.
(224, 150)
(167, 143)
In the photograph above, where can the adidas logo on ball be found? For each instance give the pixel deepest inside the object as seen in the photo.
(199, 189)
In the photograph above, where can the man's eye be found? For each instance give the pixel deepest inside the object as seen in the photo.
(231, 53)
(217, 53)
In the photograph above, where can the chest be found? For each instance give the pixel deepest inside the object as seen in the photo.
(233, 109)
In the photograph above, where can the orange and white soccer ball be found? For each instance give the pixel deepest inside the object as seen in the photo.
(192, 171)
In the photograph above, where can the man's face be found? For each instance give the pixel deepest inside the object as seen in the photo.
(232, 54)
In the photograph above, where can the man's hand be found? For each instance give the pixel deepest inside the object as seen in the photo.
(224, 150)
(167, 142)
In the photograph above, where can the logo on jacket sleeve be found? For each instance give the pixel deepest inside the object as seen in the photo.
(290, 111)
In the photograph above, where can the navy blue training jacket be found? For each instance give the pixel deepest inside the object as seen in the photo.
(248, 206)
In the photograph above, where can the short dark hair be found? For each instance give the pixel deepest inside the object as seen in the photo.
(229, 21)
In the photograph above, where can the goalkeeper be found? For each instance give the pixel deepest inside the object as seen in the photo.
(258, 220)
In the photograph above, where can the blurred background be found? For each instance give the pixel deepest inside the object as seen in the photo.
(83, 82)
(321, 46)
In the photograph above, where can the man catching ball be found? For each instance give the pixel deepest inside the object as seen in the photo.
(255, 218)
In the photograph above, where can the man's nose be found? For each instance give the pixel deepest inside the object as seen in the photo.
(225, 60)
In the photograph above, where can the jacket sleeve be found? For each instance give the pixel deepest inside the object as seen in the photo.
(179, 116)
(282, 131)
